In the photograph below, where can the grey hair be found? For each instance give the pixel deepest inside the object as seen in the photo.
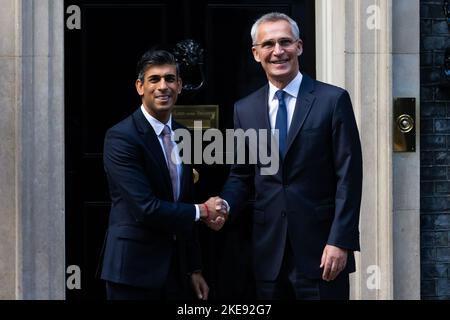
(272, 17)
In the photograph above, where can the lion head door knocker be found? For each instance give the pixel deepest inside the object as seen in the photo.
(189, 56)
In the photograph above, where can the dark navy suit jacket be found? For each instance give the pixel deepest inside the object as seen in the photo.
(315, 196)
(144, 219)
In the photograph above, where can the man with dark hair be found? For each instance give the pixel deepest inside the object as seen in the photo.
(305, 219)
(151, 243)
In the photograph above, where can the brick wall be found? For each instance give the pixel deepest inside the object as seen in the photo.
(435, 154)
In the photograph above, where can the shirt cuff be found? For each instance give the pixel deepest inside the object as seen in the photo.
(197, 212)
(228, 206)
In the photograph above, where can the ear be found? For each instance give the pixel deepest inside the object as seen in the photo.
(299, 47)
(180, 85)
(139, 87)
(256, 54)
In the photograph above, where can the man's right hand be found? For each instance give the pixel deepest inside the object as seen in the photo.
(214, 213)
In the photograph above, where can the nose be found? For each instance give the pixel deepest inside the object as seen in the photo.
(162, 84)
(278, 49)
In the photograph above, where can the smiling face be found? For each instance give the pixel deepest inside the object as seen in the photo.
(160, 90)
(279, 60)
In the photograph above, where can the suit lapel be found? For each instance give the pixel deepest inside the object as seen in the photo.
(152, 143)
(262, 114)
(302, 108)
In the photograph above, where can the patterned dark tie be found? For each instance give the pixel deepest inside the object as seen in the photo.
(168, 147)
(281, 122)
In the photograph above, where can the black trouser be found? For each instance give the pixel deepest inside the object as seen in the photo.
(290, 284)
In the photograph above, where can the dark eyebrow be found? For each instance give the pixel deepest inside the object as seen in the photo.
(163, 76)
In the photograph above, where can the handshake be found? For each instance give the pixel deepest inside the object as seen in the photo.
(214, 213)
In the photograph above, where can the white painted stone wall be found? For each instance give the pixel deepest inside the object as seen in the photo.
(406, 178)
(375, 57)
(32, 262)
(9, 99)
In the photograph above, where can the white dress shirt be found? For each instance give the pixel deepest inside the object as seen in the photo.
(290, 98)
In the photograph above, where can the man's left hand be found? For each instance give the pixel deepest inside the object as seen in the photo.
(218, 213)
(200, 286)
(333, 261)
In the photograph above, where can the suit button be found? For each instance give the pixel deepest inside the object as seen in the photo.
(283, 214)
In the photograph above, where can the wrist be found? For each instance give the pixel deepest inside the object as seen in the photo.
(192, 273)
(204, 211)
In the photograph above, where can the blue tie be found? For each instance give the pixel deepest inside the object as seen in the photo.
(281, 122)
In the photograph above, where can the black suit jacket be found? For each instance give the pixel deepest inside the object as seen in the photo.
(315, 195)
(144, 219)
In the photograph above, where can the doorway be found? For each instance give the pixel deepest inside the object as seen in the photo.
(100, 62)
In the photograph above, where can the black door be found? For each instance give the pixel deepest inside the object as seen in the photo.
(100, 60)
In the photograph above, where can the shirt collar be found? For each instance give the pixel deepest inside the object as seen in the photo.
(157, 125)
(292, 88)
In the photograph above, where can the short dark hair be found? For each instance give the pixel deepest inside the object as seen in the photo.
(155, 58)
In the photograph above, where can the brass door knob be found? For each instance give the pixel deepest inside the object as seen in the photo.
(405, 123)
(195, 175)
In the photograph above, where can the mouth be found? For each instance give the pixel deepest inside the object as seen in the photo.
(278, 62)
(163, 97)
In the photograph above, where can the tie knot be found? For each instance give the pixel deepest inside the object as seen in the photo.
(280, 95)
(165, 131)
